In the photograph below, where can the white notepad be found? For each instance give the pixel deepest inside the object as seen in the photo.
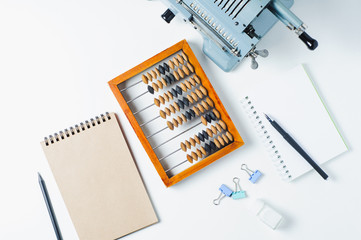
(294, 103)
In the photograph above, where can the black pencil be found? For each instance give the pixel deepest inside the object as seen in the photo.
(297, 147)
(49, 207)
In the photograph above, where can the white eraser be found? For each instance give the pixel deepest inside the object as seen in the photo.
(266, 214)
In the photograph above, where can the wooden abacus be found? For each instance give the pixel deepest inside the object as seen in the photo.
(166, 77)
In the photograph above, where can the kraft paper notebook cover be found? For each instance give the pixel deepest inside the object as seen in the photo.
(98, 179)
(293, 101)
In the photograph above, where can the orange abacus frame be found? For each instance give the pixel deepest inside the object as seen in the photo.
(182, 45)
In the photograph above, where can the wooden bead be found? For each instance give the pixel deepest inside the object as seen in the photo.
(191, 80)
(209, 132)
(188, 144)
(183, 147)
(219, 128)
(229, 135)
(191, 100)
(161, 99)
(154, 74)
(225, 138)
(203, 90)
(194, 156)
(172, 109)
(189, 158)
(163, 81)
(170, 125)
(175, 122)
(218, 115)
(205, 105)
(200, 108)
(157, 72)
(165, 97)
(171, 64)
(214, 129)
(144, 79)
(180, 59)
(223, 125)
(188, 84)
(197, 79)
(210, 102)
(176, 75)
(203, 150)
(175, 61)
(167, 111)
(184, 56)
(157, 102)
(195, 109)
(155, 87)
(150, 78)
(186, 70)
(181, 73)
(183, 87)
(220, 139)
(196, 138)
(176, 106)
(160, 84)
(170, 95)
(180, 120)
(162, 114)
(199, 153)
(190, 67)
(184, 118)
(217, 143)
(204, 121)
(194, 96)
(199, 93)
(192, 141)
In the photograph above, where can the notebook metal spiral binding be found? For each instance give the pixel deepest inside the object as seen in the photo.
(76, 129)
(261, 129)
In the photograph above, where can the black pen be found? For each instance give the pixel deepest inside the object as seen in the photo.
(297, 147)
(50, 208)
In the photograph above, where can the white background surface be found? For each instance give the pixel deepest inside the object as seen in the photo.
(55, 60)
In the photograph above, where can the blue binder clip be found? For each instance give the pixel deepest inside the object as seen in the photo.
(238, 193)
(254, 176)
(225, 191)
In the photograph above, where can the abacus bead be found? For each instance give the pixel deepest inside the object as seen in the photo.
(161, 99)
(170, 125)
(155, 87)
(199, 93)
(191, 100)
(183, 147)
(205, 135)
(154, 74)
(192, 112)
(219, 128)
(157, 72)
(196, 139)
(188, 85)
(167, 111)
(180, 59)
(189, 158)
(199, 153)
(194, 96)
(209, 132)
(194, 156)
(176, 75)
(186, 101)
(214, 129)
(171, 64)
(181, 73)
(165, 83)
(225, 138)
(162, 114)
(192, 141)
(174, 92)
(156, 102)
(216, 113)
(203, 90)
(184, 88)
(150, 89)
(185, 70)
(203, 150)
(166, 67)
(175, 61)
(197, 79)
(172, 77)
(170, 95)
(188, 144)
(160, 84)
(213, 146)
(184, 56)
(191, 80)
(168, 79)
(223, 125)
(179, 90)
(229, 135)
(171, 108)
(165, 96)
(188, 115)
(221, 141)
(201, 108)
(176, 106)
(213, 116)
(161, 69)
(184, 118)
(210, 102)
(175, 122)
(201, 137)
(144, 79)
(195, 109)
(205, 105)
(204, 121)
(208, 118)
(216, 142)
(207, 147)
(180, 120)
(149, 76)
(181, 104)
(190, 67)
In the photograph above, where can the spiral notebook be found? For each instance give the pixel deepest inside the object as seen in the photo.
(98, 179)
(293, 101)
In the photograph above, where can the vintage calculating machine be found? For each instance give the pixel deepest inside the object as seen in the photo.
(232, 28)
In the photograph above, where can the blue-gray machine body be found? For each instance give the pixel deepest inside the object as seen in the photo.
(232, 28)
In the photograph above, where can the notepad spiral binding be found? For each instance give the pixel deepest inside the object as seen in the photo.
(261, 129)
(76, 129)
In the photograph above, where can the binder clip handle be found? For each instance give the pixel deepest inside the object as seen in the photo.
(236, 183)
(247, 170)
(217, 201)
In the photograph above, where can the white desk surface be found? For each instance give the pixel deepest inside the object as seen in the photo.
(56, 58)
